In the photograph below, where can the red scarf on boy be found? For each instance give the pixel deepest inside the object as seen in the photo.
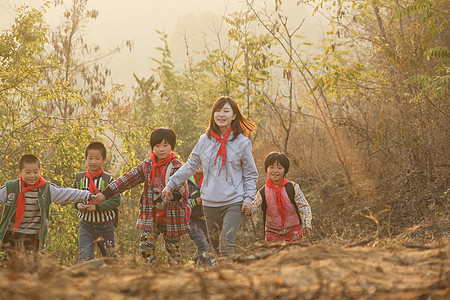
(92, 188)
(20, 204)
(162, 162)
(222, 149)
(280, 201)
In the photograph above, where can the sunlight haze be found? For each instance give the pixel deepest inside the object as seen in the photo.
(138, 20)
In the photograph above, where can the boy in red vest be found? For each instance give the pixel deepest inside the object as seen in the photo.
(198, 232)
(25, 218)
(285, 209)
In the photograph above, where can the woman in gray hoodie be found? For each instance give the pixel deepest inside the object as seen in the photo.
(229, 185)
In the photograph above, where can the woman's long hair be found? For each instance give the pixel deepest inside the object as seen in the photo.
(239, 125)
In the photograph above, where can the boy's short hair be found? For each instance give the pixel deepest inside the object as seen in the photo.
(28, 159)
(160, 134)
(274, 157)
(95, 146)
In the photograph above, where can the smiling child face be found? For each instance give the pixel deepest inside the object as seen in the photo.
(30, 173)
(276, 172)
(162, 150)
(94, 160)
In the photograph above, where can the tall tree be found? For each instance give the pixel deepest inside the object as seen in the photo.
(78, 63)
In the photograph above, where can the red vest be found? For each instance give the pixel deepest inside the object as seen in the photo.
(273, 217)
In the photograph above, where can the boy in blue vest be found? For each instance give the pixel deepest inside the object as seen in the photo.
(96, 221)
(198, 232)
(24, 222)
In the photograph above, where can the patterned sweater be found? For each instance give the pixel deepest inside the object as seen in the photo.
(176, 223)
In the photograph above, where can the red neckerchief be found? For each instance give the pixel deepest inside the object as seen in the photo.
(162, 162)
(199, 182)
(20, 203)
(92, 188)
(222, 149)
(280, 202)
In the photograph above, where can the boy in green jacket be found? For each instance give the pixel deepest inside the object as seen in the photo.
(24, 223)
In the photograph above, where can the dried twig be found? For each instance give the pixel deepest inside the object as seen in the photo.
(264, 254)
(363, 242)
(257, 256)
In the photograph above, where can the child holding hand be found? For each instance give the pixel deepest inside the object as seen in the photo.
(25, 219)
(285, 209)
(198, 232)
(156, 215)
(96, 221)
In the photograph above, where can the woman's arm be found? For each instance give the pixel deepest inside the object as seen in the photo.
(184, 173)
(249, 173)
(188, 169)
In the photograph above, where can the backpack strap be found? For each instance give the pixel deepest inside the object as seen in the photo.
(78, 179)
(106, 177)
(291, 193)
(262, 192)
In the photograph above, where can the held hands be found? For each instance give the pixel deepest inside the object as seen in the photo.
(81, 207)
(86, 207)
(90, 207)
(98, 199)
(166, 193)
(246, 208)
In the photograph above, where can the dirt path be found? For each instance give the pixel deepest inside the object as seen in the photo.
(314, 272)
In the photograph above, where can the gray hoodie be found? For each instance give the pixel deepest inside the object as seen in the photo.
(235, 182)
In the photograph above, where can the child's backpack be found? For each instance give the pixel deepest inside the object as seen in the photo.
(106, 179)
(291, 193)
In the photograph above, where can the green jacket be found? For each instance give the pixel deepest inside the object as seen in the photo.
(46, 195)
(44, 198)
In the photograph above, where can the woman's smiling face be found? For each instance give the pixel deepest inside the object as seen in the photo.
(223, 117)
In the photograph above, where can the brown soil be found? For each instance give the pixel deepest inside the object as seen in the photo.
(277, 272)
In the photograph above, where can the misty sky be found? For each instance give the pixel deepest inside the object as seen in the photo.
(137, 20)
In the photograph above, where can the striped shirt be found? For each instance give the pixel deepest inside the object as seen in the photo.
(94, 216)
(31, 222)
